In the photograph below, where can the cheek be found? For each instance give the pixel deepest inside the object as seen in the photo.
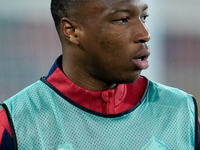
(115, 48)
(112, 42)
(110, 48)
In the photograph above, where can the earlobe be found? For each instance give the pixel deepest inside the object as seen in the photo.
(68, 30)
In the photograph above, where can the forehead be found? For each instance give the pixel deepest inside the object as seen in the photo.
(111, 4)
(121, 2)
(102, 6)
(95, 10)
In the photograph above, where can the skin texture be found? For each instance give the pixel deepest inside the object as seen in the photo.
(103, 43)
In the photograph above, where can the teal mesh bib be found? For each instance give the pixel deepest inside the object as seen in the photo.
(45, 120)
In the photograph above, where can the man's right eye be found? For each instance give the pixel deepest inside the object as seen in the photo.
(121, 21)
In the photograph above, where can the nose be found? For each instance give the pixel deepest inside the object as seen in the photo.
(142, 34)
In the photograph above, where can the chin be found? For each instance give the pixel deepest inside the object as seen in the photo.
(120, 78)
(126, 79)
(132, 78)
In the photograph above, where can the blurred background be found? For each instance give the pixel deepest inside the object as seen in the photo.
(29, 44)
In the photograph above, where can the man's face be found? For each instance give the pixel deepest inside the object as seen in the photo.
(113, 40)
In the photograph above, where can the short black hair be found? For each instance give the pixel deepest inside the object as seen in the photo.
(63, 8)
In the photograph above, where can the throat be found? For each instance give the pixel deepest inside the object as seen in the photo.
(85, 81)
(91, 84)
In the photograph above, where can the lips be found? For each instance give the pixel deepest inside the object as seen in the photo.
(141, 60)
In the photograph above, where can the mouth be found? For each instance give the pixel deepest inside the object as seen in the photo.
(141, 61)
(142, 58)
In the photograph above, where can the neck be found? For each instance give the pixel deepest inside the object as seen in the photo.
(81, 78)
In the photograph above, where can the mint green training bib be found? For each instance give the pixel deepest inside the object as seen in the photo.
(44, 119)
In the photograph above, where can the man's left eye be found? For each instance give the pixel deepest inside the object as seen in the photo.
(144, 18)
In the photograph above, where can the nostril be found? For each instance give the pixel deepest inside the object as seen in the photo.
(142, 41)
(145, 39)
(142, 37)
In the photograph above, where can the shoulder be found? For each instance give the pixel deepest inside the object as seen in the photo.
(167, 90)
(170, 96)
(28, 97)
(28, 93)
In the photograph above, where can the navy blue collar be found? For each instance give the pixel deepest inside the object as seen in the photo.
(57, 63)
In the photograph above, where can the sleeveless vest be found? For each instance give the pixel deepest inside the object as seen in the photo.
(43, 118)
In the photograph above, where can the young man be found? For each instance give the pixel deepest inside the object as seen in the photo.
(94, 96)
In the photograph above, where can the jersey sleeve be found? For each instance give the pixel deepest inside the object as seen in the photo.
(5, 131)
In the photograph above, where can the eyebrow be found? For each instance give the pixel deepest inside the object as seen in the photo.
(145, 7)
(126, 10)
(119, 11)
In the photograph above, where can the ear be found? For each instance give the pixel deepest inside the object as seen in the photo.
(68, 30)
